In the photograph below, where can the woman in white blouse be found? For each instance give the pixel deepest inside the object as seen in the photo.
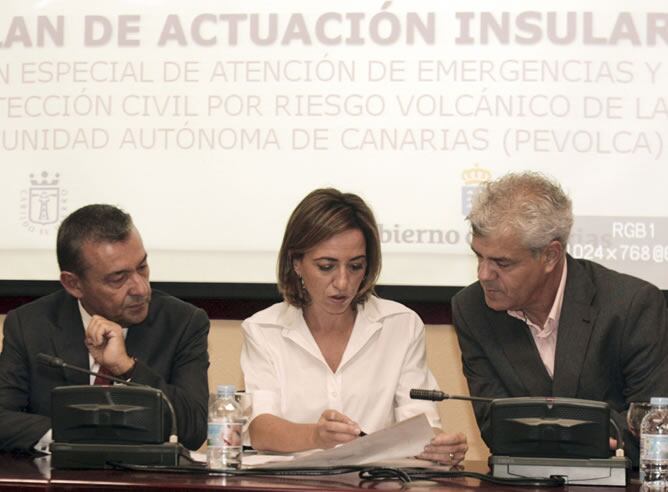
(333, 361)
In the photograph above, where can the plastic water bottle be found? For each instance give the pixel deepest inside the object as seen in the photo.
(654, 446)
(224, 430)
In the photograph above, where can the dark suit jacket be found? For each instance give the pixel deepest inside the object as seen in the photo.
(170, 347)
(612, 344)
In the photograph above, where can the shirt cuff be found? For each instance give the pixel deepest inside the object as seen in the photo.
(43, 444)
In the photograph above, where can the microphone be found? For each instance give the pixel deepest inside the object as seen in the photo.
(435, 395)
(51, 361)
(48, 360)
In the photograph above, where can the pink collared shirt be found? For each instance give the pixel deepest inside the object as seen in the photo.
(545, 336)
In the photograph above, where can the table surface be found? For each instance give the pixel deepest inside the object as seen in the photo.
(36, 474)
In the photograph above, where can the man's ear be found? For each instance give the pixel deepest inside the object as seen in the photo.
(71, 283)
(553, 253)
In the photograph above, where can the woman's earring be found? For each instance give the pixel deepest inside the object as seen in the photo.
(303, 292)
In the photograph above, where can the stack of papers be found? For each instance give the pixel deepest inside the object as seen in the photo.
(405, 439)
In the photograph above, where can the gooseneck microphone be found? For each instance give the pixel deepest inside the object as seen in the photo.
(51, 361)
(435, 395)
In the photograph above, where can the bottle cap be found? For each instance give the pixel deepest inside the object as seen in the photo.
(229, 390)
(659, 400)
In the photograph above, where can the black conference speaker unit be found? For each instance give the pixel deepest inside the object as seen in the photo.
(96, 426)
(550, 427)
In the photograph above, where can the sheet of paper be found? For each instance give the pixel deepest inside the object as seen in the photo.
(198, 457)
(404, 439)
(249, 458)
(262, 459)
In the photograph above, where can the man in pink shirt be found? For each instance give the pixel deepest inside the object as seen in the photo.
(541, 323)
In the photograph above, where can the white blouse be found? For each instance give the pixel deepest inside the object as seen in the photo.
(287, 375)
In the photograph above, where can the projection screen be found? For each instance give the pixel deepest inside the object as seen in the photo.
(208, 121)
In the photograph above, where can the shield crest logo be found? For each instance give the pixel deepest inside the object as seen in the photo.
(473, 178)
(43, 205)
(468, 192)
(44, 202)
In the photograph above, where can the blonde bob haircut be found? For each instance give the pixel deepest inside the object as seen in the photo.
(322, 214)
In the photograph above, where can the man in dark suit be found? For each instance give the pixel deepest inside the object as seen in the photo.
(540, 323)
(106, 318)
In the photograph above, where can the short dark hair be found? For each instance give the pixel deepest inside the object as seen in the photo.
(95, 223)
(322, 214)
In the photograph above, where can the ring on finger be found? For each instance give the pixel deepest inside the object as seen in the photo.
(452, 456)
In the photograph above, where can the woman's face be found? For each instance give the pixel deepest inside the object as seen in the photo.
(332, 272)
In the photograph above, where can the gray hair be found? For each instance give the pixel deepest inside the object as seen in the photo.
(528, 204)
